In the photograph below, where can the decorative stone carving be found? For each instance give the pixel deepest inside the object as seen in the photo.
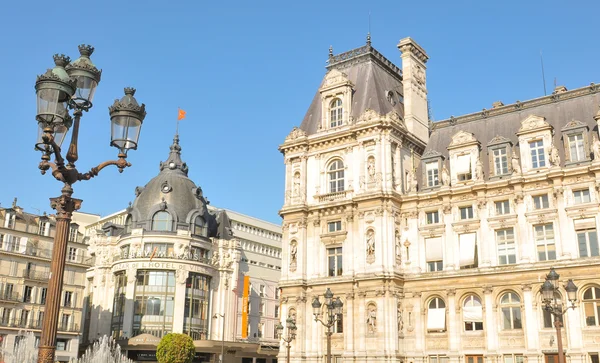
(479, 170)
(370, 246)
(411, 182)
(554, 158)
(445, 176)
(181, 276)
(372, 318)
(515, 164)
(295, 134)
(293, 256)
(368, 115)
(371, 168)
(462, 137)
(595, 148)
(398, 247)
(533, 122)
(296, 184)
(131, 275)
(400, 318)
(215, 258)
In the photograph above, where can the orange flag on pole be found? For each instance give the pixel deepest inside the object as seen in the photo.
(181, 114)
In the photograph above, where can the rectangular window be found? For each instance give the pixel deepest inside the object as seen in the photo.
(588, 243)
(500, 161)
(24, 318)
(466, 212)
(432, 174)
(334, 256)
(463, 167)
(338, 327)
(8, 291)
(334, 226)
(434, 254)
(64, 322)
(544, 240)
(27, 294)
(507, 251)
(549, 318)
(502, 207)
(468, 250)
(276, 314)
(538, 157)
(73, 234)
(263, 308)
(42, 230)
(276, 293)
(513, 358)
(62, 344)
(72, 254)
(581, 196)
(541, 201)
(594, 358)
(576, 148)
(68, 299)
(432, 217)
(438, 359)
(262, 290)
(43, 295)
(261, 327)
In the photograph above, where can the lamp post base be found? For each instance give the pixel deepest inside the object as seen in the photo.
(46, 354)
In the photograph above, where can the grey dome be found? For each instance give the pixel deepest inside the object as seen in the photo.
(171, 191)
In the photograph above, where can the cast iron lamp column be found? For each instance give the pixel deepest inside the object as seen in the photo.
(72, 86)
(290, 334)
(554, 306)
(334, 313)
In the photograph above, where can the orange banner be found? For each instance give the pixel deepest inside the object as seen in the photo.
(245, 295)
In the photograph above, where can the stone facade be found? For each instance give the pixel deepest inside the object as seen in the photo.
(437, 242)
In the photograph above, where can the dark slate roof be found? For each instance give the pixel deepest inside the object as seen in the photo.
(558, 109)
(173, 191)
(372, 75)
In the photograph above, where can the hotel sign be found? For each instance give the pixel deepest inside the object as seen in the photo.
(161, 266)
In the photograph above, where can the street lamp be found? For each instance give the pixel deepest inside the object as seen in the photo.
(290, 335)
(216, 316)
(553, 305)
(72, 86)
(334, 314)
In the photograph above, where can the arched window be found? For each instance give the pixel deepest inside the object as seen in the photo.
(510, 304)
(335, 111)
(199, 226)
(473, 313)
(436, 315)
(591, 306)
(548, 317)
(162, 221)
(335, 174)
(128, 224)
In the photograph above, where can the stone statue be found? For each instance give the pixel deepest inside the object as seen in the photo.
(398, 247)
(554, 157)
(293, 251)
(181, 276)
(596, 148)
(371, 168)
(411, 182)
(445, 176)
(372, 318)
(400, 319)
(215, 258)
(296, 185)
(515, 164)
(479, 170)
(370, 243)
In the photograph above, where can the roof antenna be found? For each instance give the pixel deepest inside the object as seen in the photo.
(543, 76)
(369, 32)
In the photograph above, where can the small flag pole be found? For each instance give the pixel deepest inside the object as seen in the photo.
(177, 125)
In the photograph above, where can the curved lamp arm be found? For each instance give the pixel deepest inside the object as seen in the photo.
(121, 163)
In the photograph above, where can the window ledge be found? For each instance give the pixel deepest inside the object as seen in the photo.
(330, 197)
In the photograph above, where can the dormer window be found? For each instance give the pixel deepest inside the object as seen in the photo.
(500, 161)
(575, 137)
(128, 224)
(433, 173)
(335, 175)
(42, 231)
(538, 155)
(335, 113)
(463, 167)
(576, 147)
(432, 170)
(199, 226)
(162, 221)
(499, 151)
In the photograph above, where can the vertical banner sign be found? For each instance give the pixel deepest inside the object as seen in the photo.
(245, 307)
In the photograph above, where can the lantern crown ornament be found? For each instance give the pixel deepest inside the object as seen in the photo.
(86, 76)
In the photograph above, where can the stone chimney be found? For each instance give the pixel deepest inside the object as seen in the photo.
(415, 88)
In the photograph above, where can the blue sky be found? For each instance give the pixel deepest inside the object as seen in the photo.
(246, 72)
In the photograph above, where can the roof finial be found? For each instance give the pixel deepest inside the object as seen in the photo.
(14, 205)
(331, 51)
(369, 39)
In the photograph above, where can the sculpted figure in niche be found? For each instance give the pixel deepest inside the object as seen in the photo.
(400, 319)
(411, 182)
(398, 247)
(445, 176)
(372, 318)
(296, 188)
(479, 170)
(554, 157)
(371, 168)
(596, 148)
(293, 251)
(215, 258)
(370, 242)
(515, 164)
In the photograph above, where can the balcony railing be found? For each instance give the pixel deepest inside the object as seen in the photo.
(329, 197)
(36, 275)
(9, 296)
(35, 324)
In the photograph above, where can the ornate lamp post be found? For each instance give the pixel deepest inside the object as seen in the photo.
(554, 305)
(222, 316)
(290, 335)
(72, 86)
(334, 313)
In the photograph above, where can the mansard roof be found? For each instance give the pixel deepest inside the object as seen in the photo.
(558, 110)
(372, 75)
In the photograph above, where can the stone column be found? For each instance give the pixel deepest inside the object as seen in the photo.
(418, 322)
(531, 321)
(362, 332)
(453, 329)
(564, 249)
(179, 309)
(485, 234)
(129, 302)
(490, 320)
(527, 245)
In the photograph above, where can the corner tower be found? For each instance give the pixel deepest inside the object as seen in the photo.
(350, 166)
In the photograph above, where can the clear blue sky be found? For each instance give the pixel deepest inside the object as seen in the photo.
(246, 71)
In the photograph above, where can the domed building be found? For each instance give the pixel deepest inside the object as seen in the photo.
(171, 263)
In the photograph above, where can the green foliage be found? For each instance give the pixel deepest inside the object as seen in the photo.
(175, 348)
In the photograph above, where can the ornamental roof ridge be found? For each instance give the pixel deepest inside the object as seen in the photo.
(358, 54)
(573, 124)
(518, 106)
(499, 139)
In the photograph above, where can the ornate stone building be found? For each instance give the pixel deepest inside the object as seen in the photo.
(437, 236)
(26, 242)
(171, 262)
